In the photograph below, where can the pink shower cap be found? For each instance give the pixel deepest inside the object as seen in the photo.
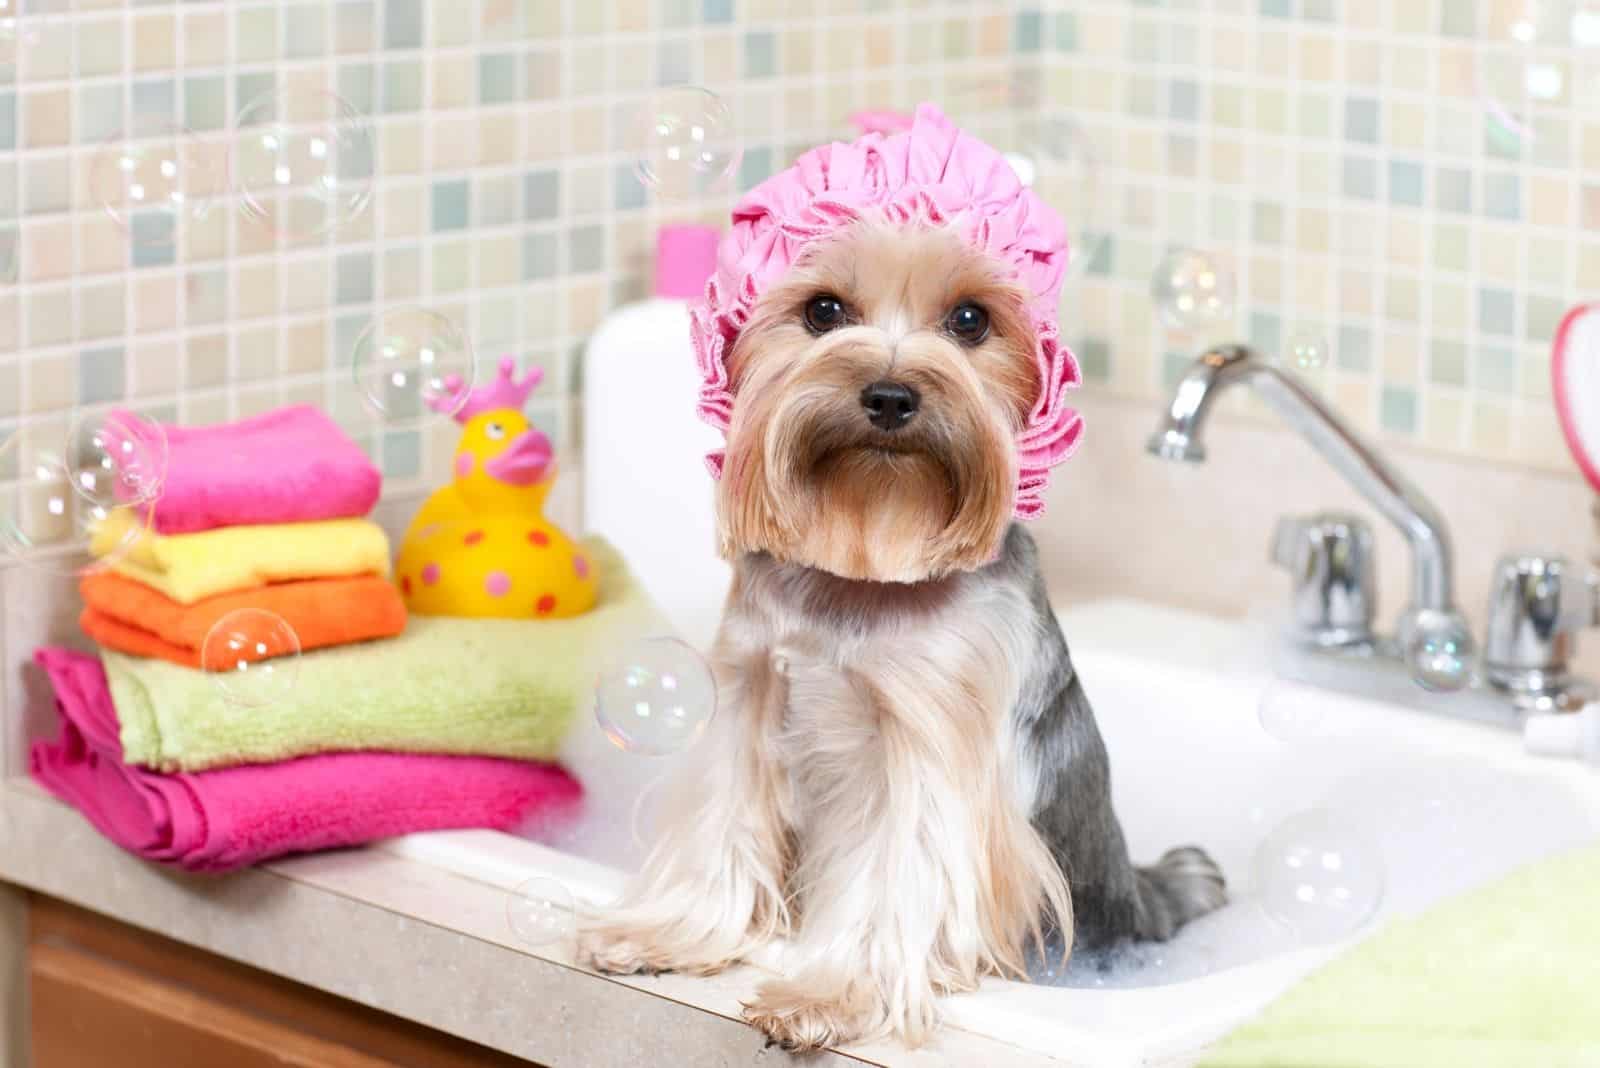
(931, 173)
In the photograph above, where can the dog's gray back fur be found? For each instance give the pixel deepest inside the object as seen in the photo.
(1064, 776)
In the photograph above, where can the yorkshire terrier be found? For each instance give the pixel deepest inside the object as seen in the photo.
(904, 778)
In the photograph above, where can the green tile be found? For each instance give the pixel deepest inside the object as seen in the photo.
(1266, 223)
(1497, 312)
(1458, 18)
(1353, 351)
(1094, 358)
(586, 248)
(1398, 410)
(100, 111)
(402, 24)
(1502, 196)
(1026, 31)
(1405, 183)
(1447, 362)
(354, 278)
(760, 54)
(1542, 316)
(402, 454)
(402, 86)
(1495, 370)
(450, 205)
(205, 102)
(1361, 120)
(497, 78)
(304, 31)
(101, 375)
(1453, 189)
(1066, 31)
(1452, 246)
(541, 255)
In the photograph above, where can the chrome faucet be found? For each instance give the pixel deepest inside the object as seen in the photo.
(1537, 605)
(1432, 614)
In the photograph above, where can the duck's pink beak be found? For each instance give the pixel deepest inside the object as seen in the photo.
(525, 460)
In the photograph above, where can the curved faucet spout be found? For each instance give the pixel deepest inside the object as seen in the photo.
(1180, 437)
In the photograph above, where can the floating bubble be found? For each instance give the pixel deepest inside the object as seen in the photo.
(657, 697)
(153, 176)
(1440, 658)
(1192, 289)
(60, 510)
(1306, 350)
(686, 142)
(303, 162)
(253, 656)
(1292, 713)
(1320, 877)
(409, 359)
(541, 911)
(117, 458)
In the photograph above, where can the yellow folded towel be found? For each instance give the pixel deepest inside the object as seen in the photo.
(192, 567)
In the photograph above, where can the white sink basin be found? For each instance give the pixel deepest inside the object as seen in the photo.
(1446, 805)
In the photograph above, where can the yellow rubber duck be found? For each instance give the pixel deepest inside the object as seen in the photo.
(481, 546)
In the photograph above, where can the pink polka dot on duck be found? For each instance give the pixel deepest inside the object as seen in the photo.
(430, 575)
(498, 584)
(580, 564)
(464, 463)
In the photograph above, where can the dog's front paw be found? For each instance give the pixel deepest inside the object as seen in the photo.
(625, 945)
(614, 950)
(795, 1017)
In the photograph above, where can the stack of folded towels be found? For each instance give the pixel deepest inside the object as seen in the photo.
(388, 728)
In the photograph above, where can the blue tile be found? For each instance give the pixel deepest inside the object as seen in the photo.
(1174, 365)
(402, 24)
(1405, 182)
(541, 256)
(402, 86)
(586, 248)
(99, 111)
(155, 98)
(100, 375)
(1266, 332)
(678, 12)
(354, 275)
(1399, 409)
(497, 78)
(303, 35)
(402, 454)
(1278, 9)
(1360, 177)
(8, 121)
(450, 200)
(1183, 100)
(1102, 254)
(1502, 196)
(205, 102)
(541, 194)
(1496, 312)
(674, 62)
(1094, 358)
(250, 88)
(347, 330)
(717, 10)
(1354, 352)
(1027, 31)
(1496, 370)
(1066, 31)
(1453, 189)
(755, 168)
(760, 54)
(1361, 120)
(629, 193)
(152, 240)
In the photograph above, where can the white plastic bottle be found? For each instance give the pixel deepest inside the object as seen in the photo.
(645, 484)
(1569, 734)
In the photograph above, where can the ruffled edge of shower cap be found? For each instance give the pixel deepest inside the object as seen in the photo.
(932, 173)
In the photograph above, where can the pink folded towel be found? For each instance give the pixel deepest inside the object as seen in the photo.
(220, 820)
(292, 465)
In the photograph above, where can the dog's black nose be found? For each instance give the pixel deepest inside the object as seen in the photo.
(889, 405)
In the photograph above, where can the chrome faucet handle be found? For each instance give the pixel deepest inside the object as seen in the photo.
(1331, 561)
(1537, 605)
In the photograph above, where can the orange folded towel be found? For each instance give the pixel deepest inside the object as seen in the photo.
(126, 615)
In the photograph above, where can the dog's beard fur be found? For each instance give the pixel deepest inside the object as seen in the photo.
(810, 480)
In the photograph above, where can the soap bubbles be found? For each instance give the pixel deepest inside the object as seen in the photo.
(1291, 712)
(114, 458)
(303, 162)
(253, 656)
(1321, 878)
(1440, 655)
(1192, 289)
(1306, 350)
(686, 142)
(657, 698)
(410, 358)
(541, 912)
(59, 500)
(153, 176)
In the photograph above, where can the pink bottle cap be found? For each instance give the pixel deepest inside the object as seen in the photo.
(685, 257)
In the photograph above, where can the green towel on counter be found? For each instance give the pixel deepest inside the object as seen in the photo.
(490, 687)
(1502, 977)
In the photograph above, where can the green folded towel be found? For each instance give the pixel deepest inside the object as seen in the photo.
(490, 687)
(1500, 977)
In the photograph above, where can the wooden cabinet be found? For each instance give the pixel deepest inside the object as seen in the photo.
(104, 993)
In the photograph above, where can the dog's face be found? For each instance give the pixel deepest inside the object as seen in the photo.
(880, 388)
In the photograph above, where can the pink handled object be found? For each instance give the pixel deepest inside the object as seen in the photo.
(504, 392)
(1575, 370)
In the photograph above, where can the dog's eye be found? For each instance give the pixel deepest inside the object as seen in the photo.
(968, 323)
(824, 312)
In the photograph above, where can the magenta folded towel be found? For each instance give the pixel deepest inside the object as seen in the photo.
(216, 821)
(291, 465)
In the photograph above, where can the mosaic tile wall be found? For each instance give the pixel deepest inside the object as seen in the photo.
(505, 195)
(1416, 181)
(1339, 155)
